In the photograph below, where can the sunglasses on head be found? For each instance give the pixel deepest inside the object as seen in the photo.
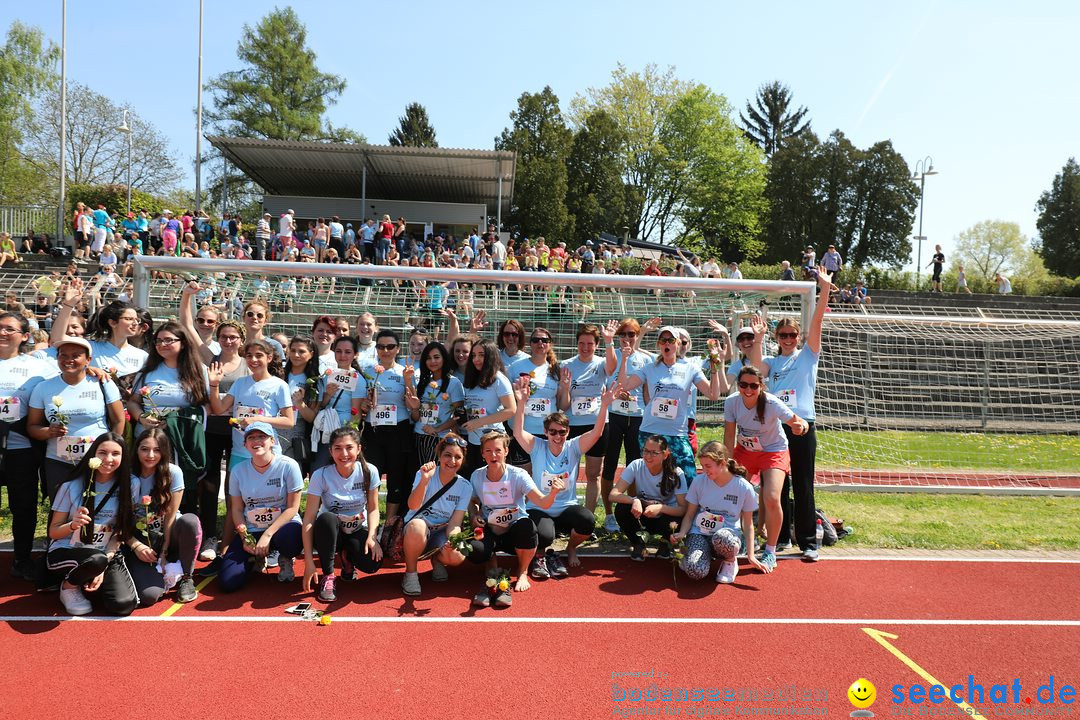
(749, 386)
(456, 442)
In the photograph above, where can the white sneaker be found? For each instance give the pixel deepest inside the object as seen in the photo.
(75, 602)
(438, 571)
(610, 524)
(727, 572)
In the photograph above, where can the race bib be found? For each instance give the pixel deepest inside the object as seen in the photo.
(503, 518)
(9, 409)
(665, 408)
(153, 523)
(344, 379)
(71, 449)
(495, 493)
(538, 407)
(477, 413)
(384, 415)
(429, 414)
(349, 523)
(708, 523)
(585, 406)
(262, 518)
(751, 443)
(100, 540)
(547, 481)
(627, 407)
(788, 396)
(247, 411)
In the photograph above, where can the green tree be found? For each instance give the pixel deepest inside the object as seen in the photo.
(791, 193)
(1059, 222)
(539, 136)
(27, 67)
(994, 246)
(771, 123)
(414, 128)
(278, 93)
(596, 196)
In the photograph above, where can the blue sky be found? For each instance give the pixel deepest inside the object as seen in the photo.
(987, 89)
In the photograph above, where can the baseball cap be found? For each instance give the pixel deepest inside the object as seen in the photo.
(260, 426)
(81, 342)
(745, 330)
(670, 329)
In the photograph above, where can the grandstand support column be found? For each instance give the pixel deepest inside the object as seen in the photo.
(142, 283)
(363, 191)
(498, 204)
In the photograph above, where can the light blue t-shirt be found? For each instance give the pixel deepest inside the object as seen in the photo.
(587, 381)
(269, 395)
(767, 436)
(342, 398)
(146, 487)
(634, 407)
(733, 371)
(793, 379)
(481, 402)
(648, 485)
(547, 467)
(69, 498)
(344, 496)
(502, 501)
(389, 405)
(509, 360)
(126, 360)
(669, 396)
(18, 378)
(84, 406)
(170, 393)
(543, 389)
(691, 410)
(728, 501)
(456, 498)
(265, 494)
(101, 218)
(436, 406)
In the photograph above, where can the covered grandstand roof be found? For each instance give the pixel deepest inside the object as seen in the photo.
(284, 167)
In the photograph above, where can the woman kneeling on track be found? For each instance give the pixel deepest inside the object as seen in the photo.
(436, 510)
(558, 457)
(501, 491)
(92, 516)
(660, 496)
(264, 499)
(762, 446)
(342, 514)
(715, 506)
(172, 537)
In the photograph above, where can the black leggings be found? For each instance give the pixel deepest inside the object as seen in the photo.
(574, 518)
(630, 525)
(521, 535)
(80, 565)
(803, 452)
(183, 547)
(474, 460)
(622, 431)
(218, 448)
(21, 471)
(391, 449)
(328, 540)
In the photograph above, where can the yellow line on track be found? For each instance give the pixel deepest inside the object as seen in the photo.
(176, 606)
(880, 638)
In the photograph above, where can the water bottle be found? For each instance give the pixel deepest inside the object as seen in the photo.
(819, 533)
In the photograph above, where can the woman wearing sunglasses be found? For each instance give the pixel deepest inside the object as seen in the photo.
(659, 499)
(669, 380)
(256, 317)
(793, 378)
(753, 422)
(510, 339)
(541, 368)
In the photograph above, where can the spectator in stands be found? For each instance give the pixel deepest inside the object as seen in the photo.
(734, 273)
(1004, 287)
(847, 296)
(787, 273)
(832, 262)
(262, 237)
(711, 269)
(862, 296)
(7, 250)
(938, 261)
(961, 280)
(384, 240)
(27, 245)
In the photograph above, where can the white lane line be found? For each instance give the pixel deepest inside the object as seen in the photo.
(559, 620)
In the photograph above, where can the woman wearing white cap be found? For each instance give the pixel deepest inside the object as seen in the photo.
(70, 410)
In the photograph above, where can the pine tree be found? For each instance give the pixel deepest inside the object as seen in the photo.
(414, 128)
(770, 123)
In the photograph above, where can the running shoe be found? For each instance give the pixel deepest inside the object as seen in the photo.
(768, 559)
(538, 569)
(438, 571)
(637, 552)
(810, 555)
(24, 569)
(75, 602)
(664, 551)
(727, 572)
(185, 589)
(482, 598)
(208, 550)
(285, 570)
(210, 570)
(326, 588)
(348, 571)
(610, 524)
(273, 559)
(410, 583)
(782, 546)
(556, 567)
(504, 599)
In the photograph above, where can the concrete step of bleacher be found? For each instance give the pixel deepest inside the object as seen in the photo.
(953, 300)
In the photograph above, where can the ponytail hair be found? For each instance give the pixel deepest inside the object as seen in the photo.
(669, 479)
(348, 431)
(751, 370)
(551, 358)
(714, 450)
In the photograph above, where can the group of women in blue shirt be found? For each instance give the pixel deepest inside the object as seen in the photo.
(315, 408)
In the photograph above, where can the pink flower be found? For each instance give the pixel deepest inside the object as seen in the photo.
(144, 390)
(446, 396)
(329, 372)
(145, 500)
(380, 369)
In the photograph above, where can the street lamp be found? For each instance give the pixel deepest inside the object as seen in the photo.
(923, 168)
(127, 131)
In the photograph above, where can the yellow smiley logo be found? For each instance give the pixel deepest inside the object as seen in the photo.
(862, 693)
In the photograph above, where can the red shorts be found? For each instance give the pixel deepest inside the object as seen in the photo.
(755, 462)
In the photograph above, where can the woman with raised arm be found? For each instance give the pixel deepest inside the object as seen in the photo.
(553, 457)
(659, 500)
(581, 386)
(112, 328)
(541, 366)
(792, 376)
(753, 418)
(489, 399)
(342, 514)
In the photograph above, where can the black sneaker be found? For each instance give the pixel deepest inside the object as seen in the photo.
(637, 552)
(663, 552)
(185, 590)
(538, 569)
(210, 570)
(555, 565)
(24, 569)
(503, 599)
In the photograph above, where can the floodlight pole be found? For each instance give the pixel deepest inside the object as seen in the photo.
(60, 210)
(198, 123)
(927, 165)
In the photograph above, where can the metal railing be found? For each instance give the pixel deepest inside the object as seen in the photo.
(20, 219)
